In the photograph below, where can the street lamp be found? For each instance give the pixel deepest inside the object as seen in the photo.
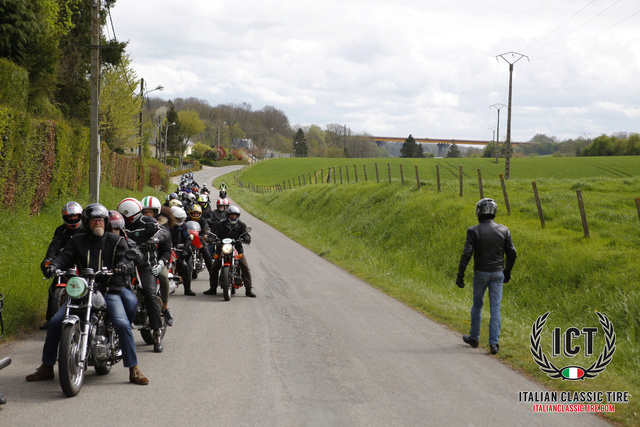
(166, 130)
(142, 94)
(266, 146)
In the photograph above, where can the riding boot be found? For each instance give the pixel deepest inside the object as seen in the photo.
(249, 292)
(43, 373)
(136, 376)
(157, 342)
(188, 291)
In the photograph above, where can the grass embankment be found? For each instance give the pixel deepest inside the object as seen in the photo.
(407, 242)
(23, 243)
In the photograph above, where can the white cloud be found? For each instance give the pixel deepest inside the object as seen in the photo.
(426, 68)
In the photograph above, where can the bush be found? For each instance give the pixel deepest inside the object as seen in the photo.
(14, 85)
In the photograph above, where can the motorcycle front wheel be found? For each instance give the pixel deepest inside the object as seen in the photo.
(225, 282)
(70, 370)
(59, 296)
(147, 333)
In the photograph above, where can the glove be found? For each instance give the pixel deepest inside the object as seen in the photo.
(49, 271)
(460, 281)
(120, 269)
(156, 269)
(44, 265)
(507, 276)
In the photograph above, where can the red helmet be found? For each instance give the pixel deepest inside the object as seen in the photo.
(116, 220)
(222, 202)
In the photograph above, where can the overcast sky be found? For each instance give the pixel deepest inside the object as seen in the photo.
(399, 67)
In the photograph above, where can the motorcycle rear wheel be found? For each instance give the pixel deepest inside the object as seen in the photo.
(225, 282)
(70, 370)
(147, 332)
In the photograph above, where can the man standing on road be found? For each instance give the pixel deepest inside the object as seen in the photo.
(489, 243)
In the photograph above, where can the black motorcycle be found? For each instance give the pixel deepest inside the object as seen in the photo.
(88, 337)
(5, 361)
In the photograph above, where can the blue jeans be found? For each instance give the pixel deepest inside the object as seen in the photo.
(121, 309)
(481, 281)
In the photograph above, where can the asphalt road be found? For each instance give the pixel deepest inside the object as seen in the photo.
(318, 347)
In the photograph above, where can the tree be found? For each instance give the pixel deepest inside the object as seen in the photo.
(172, 132)
(300, 144)
(411, 149)
(189, 125)
(119, 108)
(453, 151)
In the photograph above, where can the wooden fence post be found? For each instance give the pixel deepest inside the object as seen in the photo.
(355, 172)
(417, 177)
(340, 168)
(535, 192)
(583, 214)
(299, 181)
(460, 180)
(504, 194)
(401, 174)
(480, 184)
(315, 175)
(638, 206)
(365, 172)
(346, 168)
(378, 181)
(389, 169)
(322, 175)
(438, 177)
(334, 175)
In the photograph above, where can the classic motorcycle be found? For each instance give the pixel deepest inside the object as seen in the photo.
(5, 361)
(230, 277)
(141, 320)
(88, 337)
(174, 278)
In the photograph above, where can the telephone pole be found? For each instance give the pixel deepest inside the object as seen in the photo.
(94, 136)
(510, 58)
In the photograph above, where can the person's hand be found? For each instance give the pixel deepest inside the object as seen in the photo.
(157, 268)
(49, 270)
(460, 281)
(507, 276)
(120, 269)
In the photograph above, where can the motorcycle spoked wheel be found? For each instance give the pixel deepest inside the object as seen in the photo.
(226, 282)
(70, 370)
(147, 332)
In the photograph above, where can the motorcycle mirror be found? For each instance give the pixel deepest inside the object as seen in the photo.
(248, 230)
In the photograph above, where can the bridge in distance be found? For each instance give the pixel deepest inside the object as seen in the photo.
(443, 144)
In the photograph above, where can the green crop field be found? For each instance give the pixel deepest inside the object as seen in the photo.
(407, 242)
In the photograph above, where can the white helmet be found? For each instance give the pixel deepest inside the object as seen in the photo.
(130, 208)
(179, 214)
(151, 202)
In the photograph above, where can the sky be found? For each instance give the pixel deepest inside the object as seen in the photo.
(429, 68)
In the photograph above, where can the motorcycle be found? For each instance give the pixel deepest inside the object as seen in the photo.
(88, 337)
(174, 278)
(5, 361)
(230, 277)
(57, 289)
(141, 320)
(198, 264)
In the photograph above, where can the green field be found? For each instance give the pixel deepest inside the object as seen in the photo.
(407, 242)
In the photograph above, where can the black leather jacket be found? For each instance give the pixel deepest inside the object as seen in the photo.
(224, 229)
(489, 242)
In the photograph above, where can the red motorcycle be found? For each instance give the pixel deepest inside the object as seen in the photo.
(230, 277)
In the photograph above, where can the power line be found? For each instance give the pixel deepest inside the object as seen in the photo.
(589, 38)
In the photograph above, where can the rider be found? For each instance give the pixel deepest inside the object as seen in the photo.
(169, 198)
(141, 229)
(221, 208)
(151, 207)
(95, 249)
(203, 201)
(71, 212)
(181, 240)
(235, 229)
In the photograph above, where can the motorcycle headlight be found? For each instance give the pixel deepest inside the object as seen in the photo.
(227, 248)
(76, 287)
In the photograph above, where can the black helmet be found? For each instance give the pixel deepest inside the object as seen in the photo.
(94, 210)
(486, 208)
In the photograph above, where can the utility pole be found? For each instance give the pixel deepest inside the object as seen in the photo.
(514, 57)
(497, 107)
(94, 136)
(140, 118)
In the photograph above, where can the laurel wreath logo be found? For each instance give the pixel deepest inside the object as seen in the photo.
(592, 371)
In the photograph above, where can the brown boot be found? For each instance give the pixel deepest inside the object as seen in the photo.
(43, 373)
(136, 376)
